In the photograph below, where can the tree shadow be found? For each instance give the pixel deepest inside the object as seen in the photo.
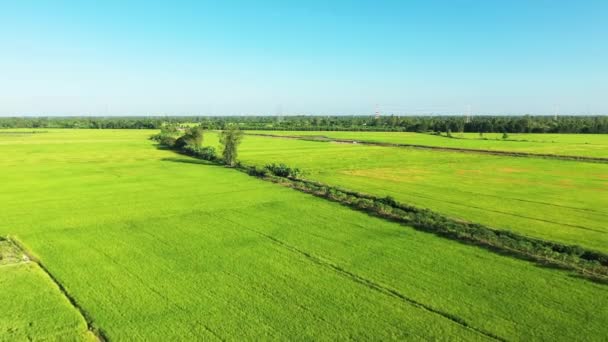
(184, 158)
(189, 161)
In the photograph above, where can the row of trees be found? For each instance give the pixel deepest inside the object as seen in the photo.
(476, 124)
(190, 141)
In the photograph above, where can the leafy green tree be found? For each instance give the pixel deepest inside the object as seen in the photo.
(505, 135)
(193, 137)
(230, 138)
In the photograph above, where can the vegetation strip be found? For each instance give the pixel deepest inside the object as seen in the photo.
(587, 124)
(588, 263)
(91, 326)
(323, 138)
(591, 264)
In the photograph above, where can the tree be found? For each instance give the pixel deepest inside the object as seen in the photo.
(230, 138)
(505, 135)
(193, 137)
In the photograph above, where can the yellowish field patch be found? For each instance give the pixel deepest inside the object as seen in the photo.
(391, 174)
(513, 170)
(468, 172)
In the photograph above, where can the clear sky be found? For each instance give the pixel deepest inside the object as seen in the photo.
(303, 57)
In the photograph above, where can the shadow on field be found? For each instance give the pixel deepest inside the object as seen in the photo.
(186, 160)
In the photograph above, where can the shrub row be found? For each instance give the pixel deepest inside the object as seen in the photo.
(587, 262)
(204, 152)
(282, 170)
(571, 256)
(188, 143)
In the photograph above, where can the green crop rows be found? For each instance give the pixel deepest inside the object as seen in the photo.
(33, 308)
(584, 145)
(556, 200)
(153, 245)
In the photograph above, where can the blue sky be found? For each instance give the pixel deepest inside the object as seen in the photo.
(303, 57)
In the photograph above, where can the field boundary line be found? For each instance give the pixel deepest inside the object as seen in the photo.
(369, 283)
(516, 215)
(421, 225)
(589, 264)
(378, 287)
(91, 326)
(322, 138)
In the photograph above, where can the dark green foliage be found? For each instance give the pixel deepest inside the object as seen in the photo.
(189, 143)
(575, 257)
(167, 136)
(167, 141)
(256, 171)
(505, 135)
(192, 137)
(283, 170)
(206, 152)
(230, 138)
(487, 124)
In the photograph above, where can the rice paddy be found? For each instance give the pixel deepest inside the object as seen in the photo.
(583, 145)
(153, 245)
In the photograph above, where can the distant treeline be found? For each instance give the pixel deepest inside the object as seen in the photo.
(475, 124)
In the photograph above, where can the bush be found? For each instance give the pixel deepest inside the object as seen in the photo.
(167, 141)
(428, 220)
(282, 170)
(193, 137)
(206, 153)
(257, 172)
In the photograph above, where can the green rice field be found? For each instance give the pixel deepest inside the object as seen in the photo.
(157, 246)
(557, 200)
(33, 308)
(583, 145)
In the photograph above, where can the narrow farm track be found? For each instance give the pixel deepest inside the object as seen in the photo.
(438, 148)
